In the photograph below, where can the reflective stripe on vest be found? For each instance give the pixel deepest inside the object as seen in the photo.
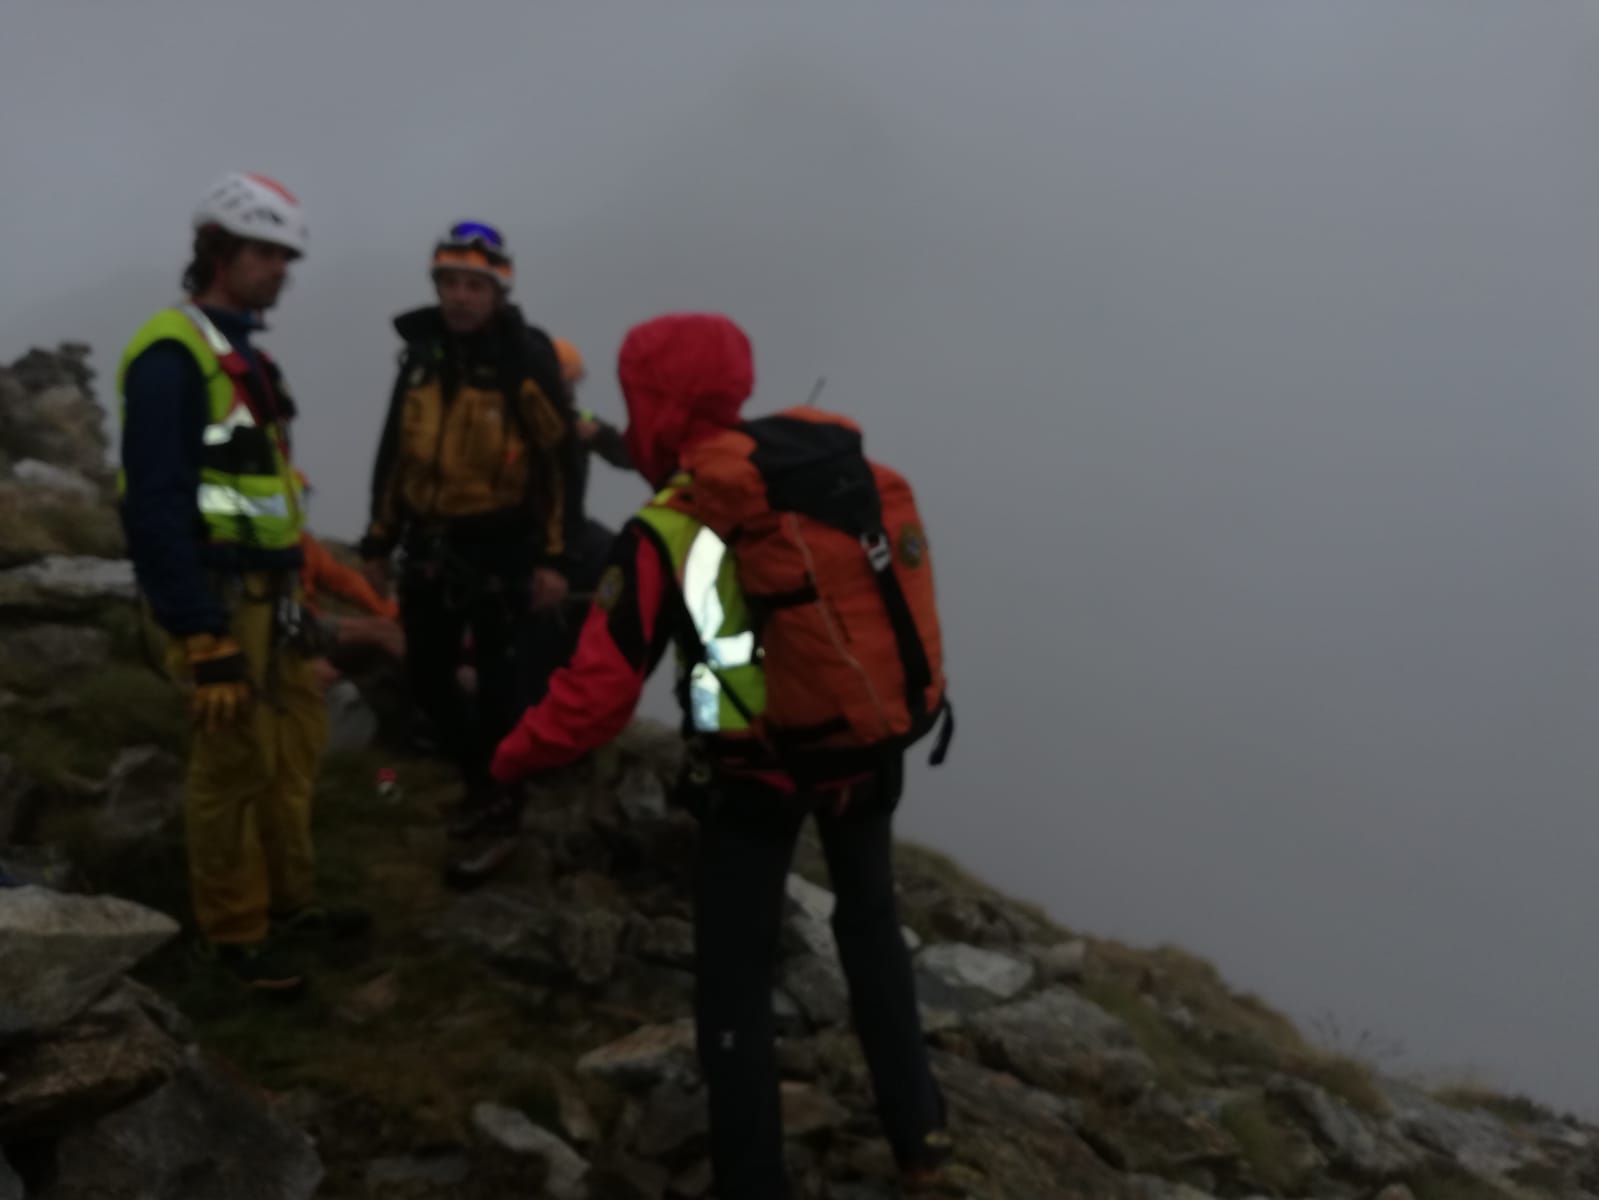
(705, 573)
(220, 433)
(214, 337)
(219, 501)
(238, 416)
(702, 569)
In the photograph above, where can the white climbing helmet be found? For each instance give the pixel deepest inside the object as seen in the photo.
(255, 207)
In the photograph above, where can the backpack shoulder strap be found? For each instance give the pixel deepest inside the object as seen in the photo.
(912, 654)
(543, 366)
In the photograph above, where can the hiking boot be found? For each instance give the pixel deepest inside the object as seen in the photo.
(467, 873)
(927, 1174)
(322, 921)
(261, 966)
(494, 814)
(463, 821)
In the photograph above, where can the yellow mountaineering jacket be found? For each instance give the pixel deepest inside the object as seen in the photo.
(479, 437)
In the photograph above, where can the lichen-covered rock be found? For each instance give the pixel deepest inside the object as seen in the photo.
(64, 584)
(1476, 1139)
(965, 978)
(1021, 1137)
(564, 1167)
(58, 952)
(203, 1136)
(105, 1058)
(48, 413)
(646, 1057)
(1058, 1040)
(47, 477)
(1365, 1146)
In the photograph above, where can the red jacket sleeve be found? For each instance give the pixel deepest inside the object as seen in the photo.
(591, 700)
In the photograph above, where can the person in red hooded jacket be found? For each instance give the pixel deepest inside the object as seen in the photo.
(684, 377)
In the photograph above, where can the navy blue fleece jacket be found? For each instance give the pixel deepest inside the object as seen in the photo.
(163, 431)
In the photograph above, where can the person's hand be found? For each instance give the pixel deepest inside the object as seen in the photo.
(587, 429)
(392, 638)
(378, 574)
(325, 673)
(381, 632)
(221, 680)
(549, 588)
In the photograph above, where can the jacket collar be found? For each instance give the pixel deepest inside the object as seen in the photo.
(234, 324)
(426, 324)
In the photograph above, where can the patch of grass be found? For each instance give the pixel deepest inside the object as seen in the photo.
(1543, 1177)
(1349, 1079)
(128, 704)
(43, 750)
(1364, 1045)
(457, 1033)
(432, 1057)
(918, 860)
(134, 639)
(1274, 1155)
(1164, 1045)
(122, 705)
(1233, 1029)
(928, 872)
(370, 847)
(1236, 1029)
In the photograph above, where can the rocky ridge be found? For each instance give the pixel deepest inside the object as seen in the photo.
(531, 1038)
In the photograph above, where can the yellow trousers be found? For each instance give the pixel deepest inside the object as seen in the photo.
(247, 805)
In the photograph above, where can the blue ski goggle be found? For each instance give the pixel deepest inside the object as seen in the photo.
(476, 233)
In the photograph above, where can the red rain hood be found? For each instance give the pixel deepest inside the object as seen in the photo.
(684, 376)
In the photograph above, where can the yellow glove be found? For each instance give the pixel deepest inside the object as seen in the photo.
(221, 680)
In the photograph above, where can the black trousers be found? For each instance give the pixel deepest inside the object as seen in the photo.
(747, 843)
(484, 589)
(549, 639)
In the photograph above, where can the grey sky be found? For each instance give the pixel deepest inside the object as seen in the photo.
(1243, 355)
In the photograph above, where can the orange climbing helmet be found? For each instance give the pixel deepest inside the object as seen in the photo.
(572, 367)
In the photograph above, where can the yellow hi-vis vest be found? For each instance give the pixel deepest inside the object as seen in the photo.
(248, 492)
(724, 691)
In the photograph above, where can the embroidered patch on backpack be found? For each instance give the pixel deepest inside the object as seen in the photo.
(912, 546)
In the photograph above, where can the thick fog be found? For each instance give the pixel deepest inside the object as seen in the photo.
(1243, 356)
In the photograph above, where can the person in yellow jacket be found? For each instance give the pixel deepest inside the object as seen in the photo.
(212, 512)
(475, 485)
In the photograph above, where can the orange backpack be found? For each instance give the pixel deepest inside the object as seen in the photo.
(832, 557)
